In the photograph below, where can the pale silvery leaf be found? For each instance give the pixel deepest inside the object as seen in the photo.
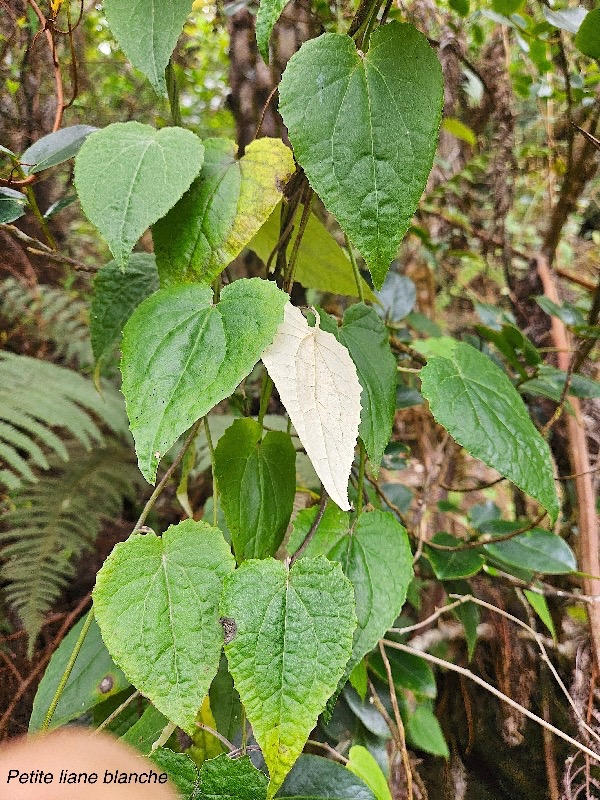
(318, 385)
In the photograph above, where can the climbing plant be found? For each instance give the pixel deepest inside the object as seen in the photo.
(274, 613)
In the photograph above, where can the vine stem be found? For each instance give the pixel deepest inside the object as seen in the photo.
(67, 673)
(289, 281)
(178, 459)
(496, 692)
(401, 735)
(133, 696)
(313, 528)
(211, 450)
(265, 396)
(173, 93)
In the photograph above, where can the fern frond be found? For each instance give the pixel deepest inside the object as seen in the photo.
(52, 523)
(49, 315)
(37, 397)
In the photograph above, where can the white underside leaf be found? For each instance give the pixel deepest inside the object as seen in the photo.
(318, 385)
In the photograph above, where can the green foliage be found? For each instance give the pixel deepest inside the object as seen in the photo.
(55, 148)
(156, 601)
(364, 765)
(225, 778)
(117, 293)
(588, 35)
(223, 209)
(321, 262)
(313, 777)
(50, 525)
(148, 31)
(93, 680)
(129, 175)
(49, 315)
(333, 99)
(292, 640)
(257, 483)
(181, 770)
(476, 403)
(199, 353)
(37, 397)
(367, 340)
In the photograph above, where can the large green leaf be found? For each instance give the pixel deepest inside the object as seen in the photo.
(225, 778)
(156, 601)
(292, 641)
(269, 12)
(129, 175)
(182, 355)
(257, 483)
(117, 293)
(93, 680)
(364, 127)
(322, 264)
(367, 340)
(223, 209)
(313, 777)
(147, 32)
(474, 400)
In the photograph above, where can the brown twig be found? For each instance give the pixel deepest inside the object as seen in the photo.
(60, 96)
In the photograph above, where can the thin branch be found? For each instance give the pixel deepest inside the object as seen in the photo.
(492, 690)
(399, 723)
(118, 710)
(230, 747)
(313, 528)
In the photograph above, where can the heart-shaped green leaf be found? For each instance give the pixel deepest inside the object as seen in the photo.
(182, 355)
(257, 484)
(292, 641)
(129, 175)
(147, 32)
(480, 408)
(156, 601)
(364, 127)
(225, 206)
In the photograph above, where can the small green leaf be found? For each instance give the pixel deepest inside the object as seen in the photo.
(587, 39)
(424, 732)
(225, 702)
(223, 209)
(467, 613)
(313, 778)
(367, 340)
(362, 764)
(11, 209)
(321, 264)
(54, 148)
(461, 7)
(94, 678)
(156, 602)
(358, 679)
(477, 404)
(540, 606)
(182, 771)
(146, 730)
(117, 293)
(129, 175)
(269, 12)
(198, 354)
(225, 778)
(455, 126)
(449, 565)
(408, 672)
(537, 550)
(257, 483)
(293, 639)
(147, 32)
(364, 127)
(506, 7)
